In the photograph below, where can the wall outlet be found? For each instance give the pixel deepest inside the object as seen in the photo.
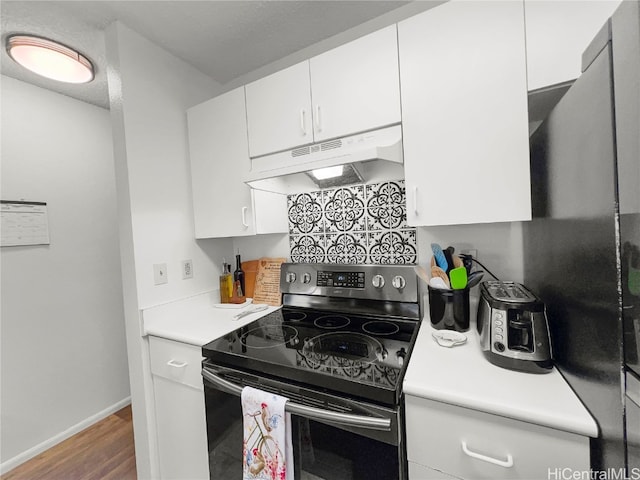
(470, 251)
(160, 273)
(187, 269)
(474, 253)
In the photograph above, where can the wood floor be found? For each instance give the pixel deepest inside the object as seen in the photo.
(103, 451)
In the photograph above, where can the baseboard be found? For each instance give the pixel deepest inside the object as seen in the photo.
(47, 444)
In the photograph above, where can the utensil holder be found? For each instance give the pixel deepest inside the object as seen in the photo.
(449, 309)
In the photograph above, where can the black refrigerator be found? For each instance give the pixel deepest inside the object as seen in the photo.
(582, 248)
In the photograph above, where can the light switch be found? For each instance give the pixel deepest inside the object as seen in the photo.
(160, 273)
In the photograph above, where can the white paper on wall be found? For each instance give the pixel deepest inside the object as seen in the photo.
(23, 223)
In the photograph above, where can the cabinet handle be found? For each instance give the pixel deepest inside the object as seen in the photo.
(502, 463)
(415, 200)
(244, 217)
(303, 123)
(176, 364)
(318, 119)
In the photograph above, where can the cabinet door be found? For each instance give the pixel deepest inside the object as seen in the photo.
(464, 114)
(271, 213)
(420, 472)
(222, 202)
(355, 87)
(182, 434)
(179, 406)
(279, 111)
(557, 34)
(474, 445)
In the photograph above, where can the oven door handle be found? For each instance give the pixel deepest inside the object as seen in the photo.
(312, 413)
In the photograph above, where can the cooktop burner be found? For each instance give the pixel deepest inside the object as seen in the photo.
(346, 353)
(269, 336)
(380, 327)
(347, 345)
(331, 322)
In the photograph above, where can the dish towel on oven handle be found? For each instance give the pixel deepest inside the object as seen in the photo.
(267, 449)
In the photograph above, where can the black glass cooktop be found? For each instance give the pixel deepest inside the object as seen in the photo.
(363, 356)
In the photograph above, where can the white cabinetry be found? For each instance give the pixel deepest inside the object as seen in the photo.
(420, 472)
(473, 445)
(557, 35)
(279, 111)
(224, 206)
(180, 411)
(356, 87)
(350, 89)
(464, 114)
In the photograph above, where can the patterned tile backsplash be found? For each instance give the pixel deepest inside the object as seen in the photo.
(355, 224)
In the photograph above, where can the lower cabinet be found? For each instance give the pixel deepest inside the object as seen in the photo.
(420, 472)
(180, 414)
(446, 441)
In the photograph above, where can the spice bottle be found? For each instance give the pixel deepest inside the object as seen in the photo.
(226, 283)
(238, 276)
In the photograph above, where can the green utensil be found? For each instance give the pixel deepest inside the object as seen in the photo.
(458, 278)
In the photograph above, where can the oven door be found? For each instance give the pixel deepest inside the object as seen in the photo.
(333, 437)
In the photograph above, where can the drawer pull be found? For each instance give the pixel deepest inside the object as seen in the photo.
(502, 463)
(176, 364)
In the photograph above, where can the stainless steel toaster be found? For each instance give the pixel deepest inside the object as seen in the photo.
(512, 324)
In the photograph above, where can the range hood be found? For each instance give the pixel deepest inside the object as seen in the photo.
(368, 157)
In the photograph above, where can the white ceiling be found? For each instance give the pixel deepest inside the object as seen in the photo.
(223, 39)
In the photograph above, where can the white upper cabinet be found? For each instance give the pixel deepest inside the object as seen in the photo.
(464, 114)
(557, 34)
(355, 87)
(224, 206)
(347, 90)
(279, 111)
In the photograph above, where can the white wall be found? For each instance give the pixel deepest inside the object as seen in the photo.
(252, 248)
(63, 345)
(499, 246)
(150, 91)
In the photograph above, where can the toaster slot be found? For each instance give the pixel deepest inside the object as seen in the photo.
(520, 331)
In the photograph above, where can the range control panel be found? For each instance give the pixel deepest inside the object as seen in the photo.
(341, 279)
(375, 282)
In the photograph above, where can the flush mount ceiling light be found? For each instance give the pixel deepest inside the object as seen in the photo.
(49, 59)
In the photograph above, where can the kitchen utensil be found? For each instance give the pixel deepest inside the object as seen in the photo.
(474, 278)
(449, 338)
(421, 273)
(449, 257)
(236, 306)
(441, 260)
(437, 282)
(439, 272)
(458, 278)
(256, 308)
(457, 261)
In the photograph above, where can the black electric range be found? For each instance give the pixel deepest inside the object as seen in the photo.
(346, 330)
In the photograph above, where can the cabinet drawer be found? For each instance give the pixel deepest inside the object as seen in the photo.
(176, 361)
(474, 445)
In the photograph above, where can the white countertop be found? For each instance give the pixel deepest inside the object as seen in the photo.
(462, 376)
(459, 376)
(195, 320)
